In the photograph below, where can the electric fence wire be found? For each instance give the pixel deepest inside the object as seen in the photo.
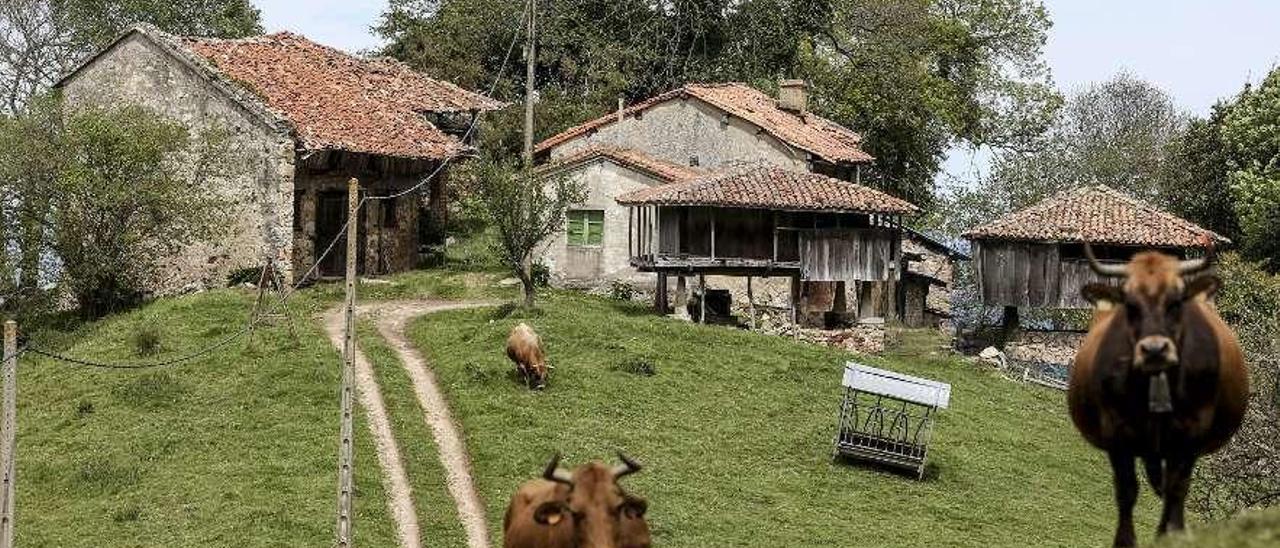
(475, 120)
(248, 327)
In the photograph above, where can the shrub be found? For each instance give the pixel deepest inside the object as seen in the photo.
(636, 365)
(621, 291)
(146, 339)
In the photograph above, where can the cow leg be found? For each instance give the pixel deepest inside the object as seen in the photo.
(1126, 484)
(1177, 481)
(1155, 473)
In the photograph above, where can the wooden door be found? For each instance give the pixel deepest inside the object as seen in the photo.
(331, 218)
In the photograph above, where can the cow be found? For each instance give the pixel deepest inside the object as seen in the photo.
(1159, 377)
(525, 349)
(585, 508)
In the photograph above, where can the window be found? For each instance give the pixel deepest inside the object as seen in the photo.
(585, 227)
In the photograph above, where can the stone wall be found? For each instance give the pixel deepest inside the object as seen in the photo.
(604, 181)
(934, 265)
(683, 129)
(388, 245)
(257, 178)
(1056, 347)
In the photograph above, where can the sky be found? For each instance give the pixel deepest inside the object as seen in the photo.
(1199, 51)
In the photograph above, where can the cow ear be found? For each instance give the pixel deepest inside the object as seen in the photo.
(1103, 296)
(1205, 285)
(551, 513)
(634, 507)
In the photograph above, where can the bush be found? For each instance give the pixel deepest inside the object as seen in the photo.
(636, 365)
(146, 339)
(1246, 473)
(621, 291)
(541, 275)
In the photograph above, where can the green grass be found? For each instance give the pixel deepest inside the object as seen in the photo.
(735, 432)
(236, 448)
(437, 519)
(1256, 529)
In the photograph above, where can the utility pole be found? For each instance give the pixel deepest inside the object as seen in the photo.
(529, 56)
(8, 438)
(346, 451)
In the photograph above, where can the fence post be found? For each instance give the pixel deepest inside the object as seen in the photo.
(346, 451)
(8, 432)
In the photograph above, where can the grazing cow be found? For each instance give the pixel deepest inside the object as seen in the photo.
(525, 349)
(1159, 377)
(583, 509)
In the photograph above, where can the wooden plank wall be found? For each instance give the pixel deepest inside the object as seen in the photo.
(669, 220)
(1030, 275)
(849, 254)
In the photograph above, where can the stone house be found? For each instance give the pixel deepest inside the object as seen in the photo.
(702, 131)
(300, 119)
(692, 130)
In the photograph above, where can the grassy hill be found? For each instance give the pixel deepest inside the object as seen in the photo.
(1257, 529)
(735, 432)
(238, 448)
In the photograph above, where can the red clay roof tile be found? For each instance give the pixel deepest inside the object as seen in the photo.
(338, 101)
(822, 137)
(1097, 214)
(766, 186)
(634, 159)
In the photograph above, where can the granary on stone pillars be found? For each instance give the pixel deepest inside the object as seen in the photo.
(1035, 258)
(300, 119)
(824, 234)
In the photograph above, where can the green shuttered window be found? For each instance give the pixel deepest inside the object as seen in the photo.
(585, 227)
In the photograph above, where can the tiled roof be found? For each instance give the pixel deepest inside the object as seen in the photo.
(633, 159)
(1096, 214)
(334, 100)
(822, 137)
(767, 186)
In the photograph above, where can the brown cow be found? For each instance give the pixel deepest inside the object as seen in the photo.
(583, 509)
(1159, 377)
(525, 349)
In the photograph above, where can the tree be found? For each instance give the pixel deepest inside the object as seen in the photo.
(912, 76)
(28, 167)
(1121, 133)
(1197, 186)
(1252, 139)
(124, 199)
(524, 209)
(41, 40)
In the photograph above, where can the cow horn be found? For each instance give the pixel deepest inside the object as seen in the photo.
(627, 467)
(1192, 266)
(1109, 270)
(555, 473)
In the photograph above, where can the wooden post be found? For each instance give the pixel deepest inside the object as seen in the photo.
(751, 303)
(682, 298)
(660, 294)
(346, 451)
(795, 303)
(9, 435)
(530, 54)
(702, 302)
(713, 233)
(631, 215)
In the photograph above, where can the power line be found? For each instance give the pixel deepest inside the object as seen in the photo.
(475, 121)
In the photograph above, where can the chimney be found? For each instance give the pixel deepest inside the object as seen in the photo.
(793, 95)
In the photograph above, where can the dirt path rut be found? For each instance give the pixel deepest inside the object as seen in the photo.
(391, 319)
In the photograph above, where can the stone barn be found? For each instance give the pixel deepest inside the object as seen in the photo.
(301, 119)
(927, 279)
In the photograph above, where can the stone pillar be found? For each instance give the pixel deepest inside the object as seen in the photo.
(682, 298)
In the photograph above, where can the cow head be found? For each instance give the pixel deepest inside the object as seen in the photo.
(603, 514)
(1151, 301)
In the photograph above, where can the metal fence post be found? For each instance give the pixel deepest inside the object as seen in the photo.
(346, 451)
(8, 432)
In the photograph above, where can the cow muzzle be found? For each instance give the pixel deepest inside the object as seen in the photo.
(1155, 353)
